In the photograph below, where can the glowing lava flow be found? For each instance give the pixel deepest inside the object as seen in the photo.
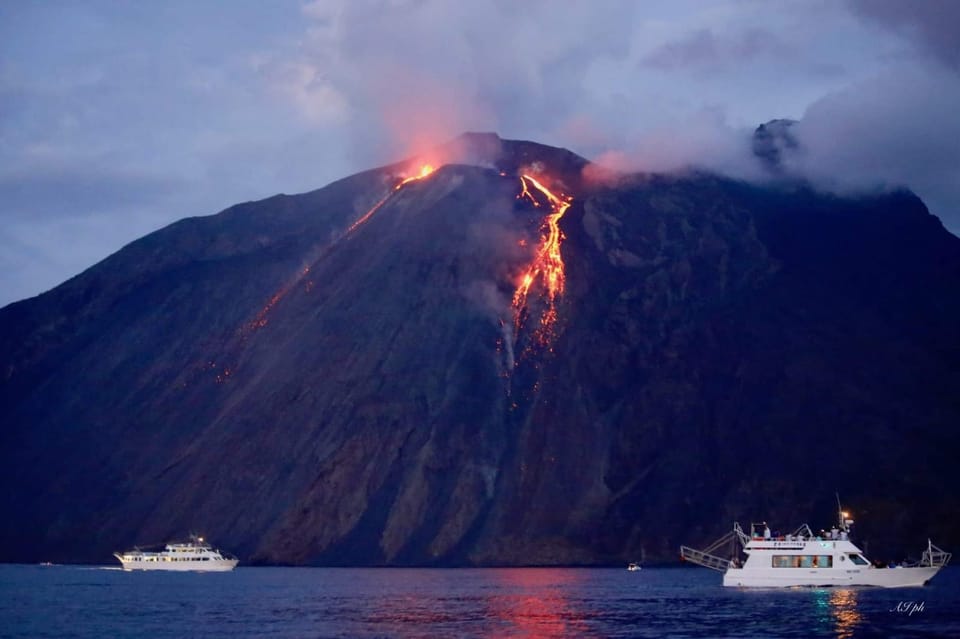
(262, 317)
(425, 171)
(547, 265)
(366, 216)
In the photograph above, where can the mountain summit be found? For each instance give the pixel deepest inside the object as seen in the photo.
(481, 356)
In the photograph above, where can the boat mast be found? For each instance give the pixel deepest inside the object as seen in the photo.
(843, 516)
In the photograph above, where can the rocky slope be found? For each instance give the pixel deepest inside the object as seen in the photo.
(305, 393)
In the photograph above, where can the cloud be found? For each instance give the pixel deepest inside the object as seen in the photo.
(313, 96)
(704, 49)
(69, 190)
(895, 129)
(892, 130)
(703, 140)
(932, 25)
(41, 252)
(163, 111)
(453, 67)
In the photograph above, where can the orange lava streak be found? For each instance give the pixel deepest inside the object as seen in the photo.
(525, 193)
(548, 262)
(366, 216)
(547, 265)
(425, 171)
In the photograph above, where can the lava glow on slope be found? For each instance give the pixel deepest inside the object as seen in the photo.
(262, 317)
(547, 265)
(425, 171)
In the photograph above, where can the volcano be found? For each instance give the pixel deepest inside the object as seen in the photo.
(489, 356)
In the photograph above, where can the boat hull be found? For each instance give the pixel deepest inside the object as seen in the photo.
(880, 577)
(221, 565)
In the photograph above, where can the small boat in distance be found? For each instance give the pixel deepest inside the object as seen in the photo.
(633, 566)
(804, 559)
(194, 555)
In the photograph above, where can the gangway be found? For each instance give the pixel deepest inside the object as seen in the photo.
(706, 558)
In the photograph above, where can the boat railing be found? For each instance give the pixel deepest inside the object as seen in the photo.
(803, 532)
(742, 536)
(934, 556)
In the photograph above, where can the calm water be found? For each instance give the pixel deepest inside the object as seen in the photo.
(86, 601)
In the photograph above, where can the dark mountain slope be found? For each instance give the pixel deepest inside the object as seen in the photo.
(305, 394)
(782, 351)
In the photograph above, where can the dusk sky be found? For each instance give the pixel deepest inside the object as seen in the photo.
(118, 118)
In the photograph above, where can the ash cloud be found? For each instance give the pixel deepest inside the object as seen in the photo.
(494, 238)
(702, 141)
(453, 67)
(893, 130)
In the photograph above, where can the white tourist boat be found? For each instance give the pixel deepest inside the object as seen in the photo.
(194, 555)
(804, 559)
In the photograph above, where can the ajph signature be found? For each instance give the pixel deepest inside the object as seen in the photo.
(908, 607)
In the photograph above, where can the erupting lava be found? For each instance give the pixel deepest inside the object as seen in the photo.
(425, 170)
(547, 265)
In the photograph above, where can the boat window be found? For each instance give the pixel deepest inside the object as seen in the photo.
(858, 560)
(802, 561)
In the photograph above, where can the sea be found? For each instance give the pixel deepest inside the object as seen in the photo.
(102, 601)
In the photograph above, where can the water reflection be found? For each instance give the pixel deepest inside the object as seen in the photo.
(531, 602)
(837, 610)
(846, 615)
(514, 602)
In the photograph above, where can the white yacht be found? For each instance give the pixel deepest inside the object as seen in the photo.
(804, 559)
(195, 555)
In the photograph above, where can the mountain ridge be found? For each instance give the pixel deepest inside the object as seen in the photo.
(305, 393)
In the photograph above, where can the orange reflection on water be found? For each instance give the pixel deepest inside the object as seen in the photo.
(846, 615)
(837, 611)
(531, 601)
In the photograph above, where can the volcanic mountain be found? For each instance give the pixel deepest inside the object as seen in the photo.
(491, 354)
